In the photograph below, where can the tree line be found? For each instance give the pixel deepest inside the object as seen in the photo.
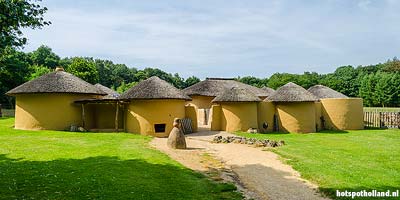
(378, 85)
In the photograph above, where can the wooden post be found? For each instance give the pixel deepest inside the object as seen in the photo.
(116, 116)
(83, 115)
(123, 117)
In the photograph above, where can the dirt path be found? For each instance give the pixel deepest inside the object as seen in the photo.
(259, 174)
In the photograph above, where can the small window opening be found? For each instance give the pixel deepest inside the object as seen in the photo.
(159, 128)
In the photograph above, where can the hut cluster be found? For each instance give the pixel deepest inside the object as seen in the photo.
(59, 100)
(225, 104)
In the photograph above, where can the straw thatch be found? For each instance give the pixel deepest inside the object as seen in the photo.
(215, 86)
(111, 94)
(267, 89)
(236, 94)
(291, 93)
(56, 82)
(154, 88)
(323, 92)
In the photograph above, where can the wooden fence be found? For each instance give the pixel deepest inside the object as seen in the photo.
(382, 119)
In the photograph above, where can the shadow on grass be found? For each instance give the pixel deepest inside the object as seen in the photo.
(105, 178)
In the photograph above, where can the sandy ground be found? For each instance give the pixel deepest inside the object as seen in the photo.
(258, 174)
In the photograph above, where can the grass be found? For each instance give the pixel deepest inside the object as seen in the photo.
(65, 165)
(381, 109)
(353, 160)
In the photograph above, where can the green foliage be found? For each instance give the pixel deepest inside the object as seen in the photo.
(15, 15)
(84, 69)
(124, 87)
(343, 80)
(251, 80)
(392, 65)
(279, 79)
(353, 161)
(36, 71)
(65, 165)
(44, 56)
(191, 81)
(378, 85)
(14, 67)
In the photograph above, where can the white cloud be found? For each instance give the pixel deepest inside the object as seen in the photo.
(224, 38)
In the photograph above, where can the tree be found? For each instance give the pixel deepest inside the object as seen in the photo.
(279, 79)
(383, 94)
(44, 56)
(124, 87)
(84, 69)
(343, 80)
(367, 89)
(392, 65)
(36, 71)
(15, 15)
(251, 80)
(13, 72)
(191, 81)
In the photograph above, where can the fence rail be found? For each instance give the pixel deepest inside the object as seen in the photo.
(382, 119)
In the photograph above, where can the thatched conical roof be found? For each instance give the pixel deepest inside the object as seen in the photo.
(236, 94)
(323, 92)
(291, 93)
(154, 88)
(111, 94)
(269, 90)
(215, 86)
(56, 82)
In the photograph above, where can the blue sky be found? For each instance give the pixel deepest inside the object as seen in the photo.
(215, 38)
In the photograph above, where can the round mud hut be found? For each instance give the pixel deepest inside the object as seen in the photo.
(47, 102)
(202, 94)
(269, 91)
(323, 92)
(294, 109)
(153, 106)
(238, 109)
(336, 110)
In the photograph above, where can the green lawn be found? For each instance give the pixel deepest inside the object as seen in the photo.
(65, 165)
(381, 109)
(354, 160)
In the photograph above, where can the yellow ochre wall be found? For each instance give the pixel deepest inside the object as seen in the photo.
(102, 116)
(141, 115)
(318, 114)
(48, 111)
(215, 116)
(190, 112)
(296, 117)
(265, 111)
(201, 102)
(238, 116)
(343, 114)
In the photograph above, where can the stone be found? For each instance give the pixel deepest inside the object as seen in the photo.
(176, 138)
(259, 144)
(73, 128)
(81, 129)
(252, 130)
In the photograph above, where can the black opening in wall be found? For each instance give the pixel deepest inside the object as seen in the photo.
(159, 128)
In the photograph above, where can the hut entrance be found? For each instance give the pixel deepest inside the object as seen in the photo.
(203, 116)
(102, 115)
